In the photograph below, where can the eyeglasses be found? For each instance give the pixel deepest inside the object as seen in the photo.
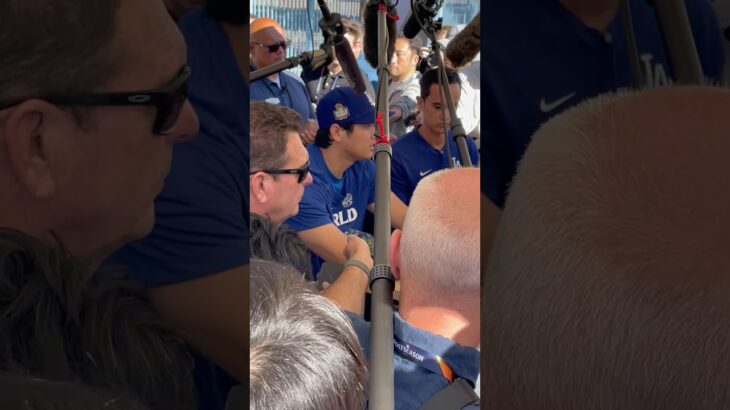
(168, 100)
(273, 48)
(300, 172)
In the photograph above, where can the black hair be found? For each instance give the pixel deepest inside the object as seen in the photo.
(323, 140)
(431, 77)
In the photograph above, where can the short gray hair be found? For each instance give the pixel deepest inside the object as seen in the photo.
(304, 353)
(594, 295)
(56, 46)
(439, 248)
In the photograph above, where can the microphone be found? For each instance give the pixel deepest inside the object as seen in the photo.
(332, 26)
(464, 47)
(370, 42)
(422, 11)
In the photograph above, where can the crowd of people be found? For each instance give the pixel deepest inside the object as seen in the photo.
(312, 184)
(131, 204)
(172, 232)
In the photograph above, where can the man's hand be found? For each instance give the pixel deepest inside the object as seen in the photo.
(357, 248)
(397, 114)
(177, 8)
(348, 291)
(309, 131)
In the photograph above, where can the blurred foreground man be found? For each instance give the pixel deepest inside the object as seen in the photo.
(607, 284)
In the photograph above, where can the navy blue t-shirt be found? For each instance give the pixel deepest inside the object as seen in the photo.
(414, 158)
(292, 93)
(321, 204)
(414, 384)
(543, 60)
(201, 225)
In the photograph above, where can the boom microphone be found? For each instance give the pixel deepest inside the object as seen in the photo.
(331, 24)
(422, 11)
(370, 21)
(464, 47)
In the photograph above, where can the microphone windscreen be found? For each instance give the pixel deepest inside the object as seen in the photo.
(370, 21)
(464, 47)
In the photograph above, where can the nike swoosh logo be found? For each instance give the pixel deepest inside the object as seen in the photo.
(547, 107)
(425, 172)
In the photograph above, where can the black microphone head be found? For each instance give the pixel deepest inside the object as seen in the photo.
(423, 10)
(370, 43)
(348, 63)
(411, 28)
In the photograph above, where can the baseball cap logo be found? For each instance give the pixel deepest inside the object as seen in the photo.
(341, 112)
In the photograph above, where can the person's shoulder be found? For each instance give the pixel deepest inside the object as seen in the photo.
(294, 81)
(407, 138)
(362, 328)
(361, 167)
(195, 19)
(700, 5)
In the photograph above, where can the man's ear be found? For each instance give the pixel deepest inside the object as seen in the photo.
(336, 133)
(395, 253)
(420, 103)
(257, 184)
(28, 141)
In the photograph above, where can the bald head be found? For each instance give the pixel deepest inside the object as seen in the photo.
(439, 246)
(608, 279)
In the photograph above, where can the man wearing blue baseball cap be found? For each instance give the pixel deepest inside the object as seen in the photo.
(344, 178)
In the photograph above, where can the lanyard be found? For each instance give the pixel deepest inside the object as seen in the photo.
(279, 92)
(320, 83)
(434, 364)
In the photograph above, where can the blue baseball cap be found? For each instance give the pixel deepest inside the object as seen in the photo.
(343, 106)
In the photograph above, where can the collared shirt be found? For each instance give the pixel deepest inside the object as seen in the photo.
(546, 60)
(289, 93)
(414, 158)
(324, 203)
(414, 385)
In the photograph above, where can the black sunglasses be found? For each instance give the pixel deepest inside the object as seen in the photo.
(168, 100)
(273, 48)
(300, 172)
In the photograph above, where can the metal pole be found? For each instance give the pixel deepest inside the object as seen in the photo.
(678, 41)
(380, 379)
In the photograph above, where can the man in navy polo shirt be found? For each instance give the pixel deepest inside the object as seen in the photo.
(344, 177)
(437, 259)
(268, 47)
(423, 150)
(552, 54)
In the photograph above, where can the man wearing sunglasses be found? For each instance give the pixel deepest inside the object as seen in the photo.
(278, 177)
(195, 262)
(268, 46)
(89, 114)
(279, 161)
